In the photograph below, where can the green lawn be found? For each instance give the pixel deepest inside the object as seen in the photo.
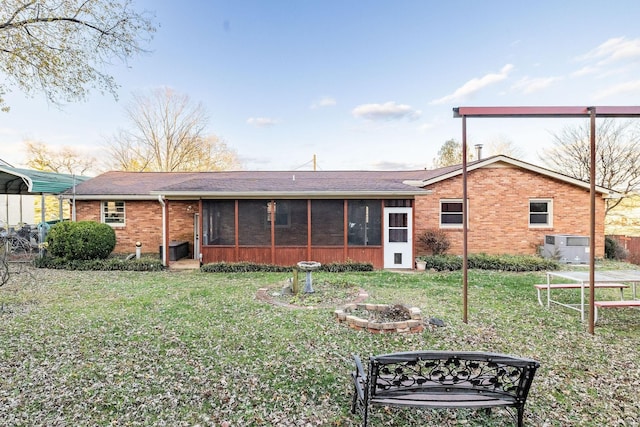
(191, 348)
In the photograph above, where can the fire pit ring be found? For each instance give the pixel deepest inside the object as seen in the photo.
(413, 324)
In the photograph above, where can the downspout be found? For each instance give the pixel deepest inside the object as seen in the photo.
(164, 231)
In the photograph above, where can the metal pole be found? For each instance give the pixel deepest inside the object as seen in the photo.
(465, 316)
(592, 219)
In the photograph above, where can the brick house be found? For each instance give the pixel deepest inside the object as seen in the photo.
(364, 216)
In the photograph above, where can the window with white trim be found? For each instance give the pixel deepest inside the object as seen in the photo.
(540, 213)
(112, 212)
(451, 213)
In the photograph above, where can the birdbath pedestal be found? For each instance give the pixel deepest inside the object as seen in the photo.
(308, 267)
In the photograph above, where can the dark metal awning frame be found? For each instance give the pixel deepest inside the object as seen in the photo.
(539, 112)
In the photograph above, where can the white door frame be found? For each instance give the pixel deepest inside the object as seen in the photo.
(398, 254)
(196, 236)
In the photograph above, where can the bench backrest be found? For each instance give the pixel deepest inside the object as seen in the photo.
(442, 371)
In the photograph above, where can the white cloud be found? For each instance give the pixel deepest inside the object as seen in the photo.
(613, 50)
(474, 85)
(261, 122)
(584, 71)
(529, 85)
(622, 88)
(387, 111)
(325, 101)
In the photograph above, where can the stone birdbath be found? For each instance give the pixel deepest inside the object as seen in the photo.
(308, 267)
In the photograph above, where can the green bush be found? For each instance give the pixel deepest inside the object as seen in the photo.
(242, 267)
(614, 250)
(83, 240)
(490, 262)
(109, 264)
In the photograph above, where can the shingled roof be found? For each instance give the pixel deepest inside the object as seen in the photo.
(309, 184)
(252, 184)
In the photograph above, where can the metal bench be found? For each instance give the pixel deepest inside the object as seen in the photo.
(548, 287)
(443, 379)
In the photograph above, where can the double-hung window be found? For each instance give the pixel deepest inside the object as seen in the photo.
(112, 213)
(540, 213)
(451, 213)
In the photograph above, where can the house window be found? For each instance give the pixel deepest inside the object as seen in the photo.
(278, 211)
(450, 213)
(113, 213)
(540, 213)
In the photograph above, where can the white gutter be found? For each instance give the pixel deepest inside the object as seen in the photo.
(164, 230)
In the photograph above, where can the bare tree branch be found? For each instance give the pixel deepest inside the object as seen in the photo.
(168, 133)
(617, 155)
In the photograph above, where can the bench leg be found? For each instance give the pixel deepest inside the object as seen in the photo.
(539, 298)
(521, 416)
(354, 401)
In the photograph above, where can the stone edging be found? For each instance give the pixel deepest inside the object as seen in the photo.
(414, 324)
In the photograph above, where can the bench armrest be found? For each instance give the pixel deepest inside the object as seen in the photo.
(359, 378)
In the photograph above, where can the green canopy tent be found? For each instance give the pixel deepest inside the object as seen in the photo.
(32, 182)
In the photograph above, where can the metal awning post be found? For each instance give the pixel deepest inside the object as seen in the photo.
(465, 229)
(551, 112)
(592, 218)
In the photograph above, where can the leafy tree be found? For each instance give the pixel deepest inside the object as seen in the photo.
(65, 160)
(60, 47)
(451, 154)
(617, 155)
(167, 134)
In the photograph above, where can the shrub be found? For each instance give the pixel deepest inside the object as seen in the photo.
(109, 264)
(435, 240)
(491, 262)
(614, 250)
(83, 240)
(242, 267)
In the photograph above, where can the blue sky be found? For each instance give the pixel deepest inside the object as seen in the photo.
(364, 85)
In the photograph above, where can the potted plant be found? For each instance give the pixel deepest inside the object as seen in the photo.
(421, 264)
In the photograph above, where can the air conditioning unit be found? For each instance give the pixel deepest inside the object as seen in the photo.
(566, 248)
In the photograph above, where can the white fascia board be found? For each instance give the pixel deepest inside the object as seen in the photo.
(110, 197)
(527, 166)
(290, 195)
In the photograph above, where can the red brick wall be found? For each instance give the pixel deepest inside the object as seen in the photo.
(499, 211)
(143, 223)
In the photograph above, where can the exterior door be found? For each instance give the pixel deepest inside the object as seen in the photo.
(196, 236)
(398, 238)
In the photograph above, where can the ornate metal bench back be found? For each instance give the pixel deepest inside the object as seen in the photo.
(497, 374)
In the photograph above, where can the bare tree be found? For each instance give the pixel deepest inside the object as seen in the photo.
(168, 133)
(65, 160)
(617, 155)
(505, 146)
(59, 47)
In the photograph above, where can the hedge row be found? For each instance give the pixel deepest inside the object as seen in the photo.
(243, 267)
(109, 264)
(491, 262)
